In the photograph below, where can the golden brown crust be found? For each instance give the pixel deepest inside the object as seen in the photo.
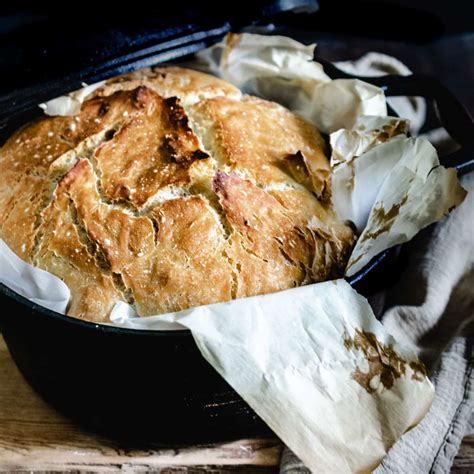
(65, 253)
(256, 136)
(164, 269)
(187, 84)
(169, 190)
(17, 214)
(268, 248)
(150, 152)
(188, 265)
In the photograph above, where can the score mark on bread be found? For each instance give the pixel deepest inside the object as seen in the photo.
(170, 190)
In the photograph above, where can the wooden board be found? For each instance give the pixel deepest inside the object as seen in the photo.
(34, 437)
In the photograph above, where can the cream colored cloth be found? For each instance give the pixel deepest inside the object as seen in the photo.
(431, 309)
(434, 308)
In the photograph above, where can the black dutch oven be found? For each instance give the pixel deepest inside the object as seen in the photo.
(154, 386)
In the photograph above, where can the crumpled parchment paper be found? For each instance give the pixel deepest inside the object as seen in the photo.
(313, 362)
(281, 69)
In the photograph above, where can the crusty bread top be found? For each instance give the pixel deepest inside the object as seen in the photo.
(170, 190)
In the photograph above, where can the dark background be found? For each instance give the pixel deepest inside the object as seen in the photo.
(38, 44)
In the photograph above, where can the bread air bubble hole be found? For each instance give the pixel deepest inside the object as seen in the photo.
(109, 134)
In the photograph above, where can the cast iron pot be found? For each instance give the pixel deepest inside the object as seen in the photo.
(133, 384)
(154, 386)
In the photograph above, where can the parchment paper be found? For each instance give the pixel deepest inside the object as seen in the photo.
(69, 104)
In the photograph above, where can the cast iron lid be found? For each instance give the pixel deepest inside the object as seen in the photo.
(46, 54)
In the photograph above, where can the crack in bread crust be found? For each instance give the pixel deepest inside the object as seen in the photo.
(170, 190)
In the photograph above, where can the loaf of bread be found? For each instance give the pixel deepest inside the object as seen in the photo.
(170, 189)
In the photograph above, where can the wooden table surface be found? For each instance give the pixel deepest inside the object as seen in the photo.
(34, 437)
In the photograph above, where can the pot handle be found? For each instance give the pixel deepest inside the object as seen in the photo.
(454, 117)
